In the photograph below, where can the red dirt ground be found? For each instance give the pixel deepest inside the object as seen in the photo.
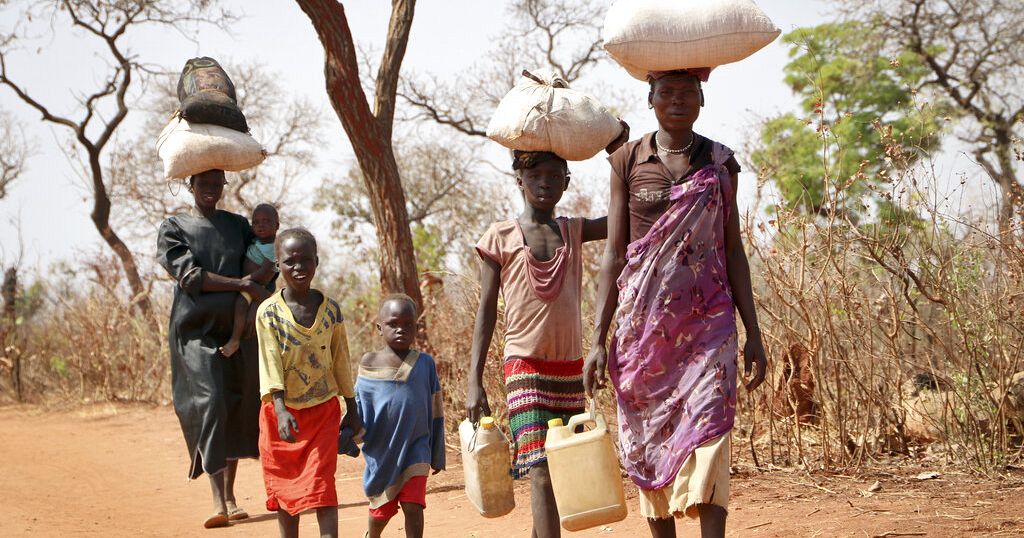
(108, 470)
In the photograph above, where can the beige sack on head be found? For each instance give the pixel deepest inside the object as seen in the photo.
(664, 35)
(190, 148)
(541, 113)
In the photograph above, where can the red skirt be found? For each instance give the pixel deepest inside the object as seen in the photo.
(300, 475)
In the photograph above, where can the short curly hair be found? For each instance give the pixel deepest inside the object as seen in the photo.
(266, 207)
(399, 298)
(300, 234)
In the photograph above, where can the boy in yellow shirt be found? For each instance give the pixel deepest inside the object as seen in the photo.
(304, 368)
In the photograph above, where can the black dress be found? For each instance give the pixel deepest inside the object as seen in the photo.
(216, 398)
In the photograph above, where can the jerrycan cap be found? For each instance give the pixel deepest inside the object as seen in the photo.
(487, 423)
(555, 423)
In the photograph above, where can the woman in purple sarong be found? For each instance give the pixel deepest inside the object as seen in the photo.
(673, 274)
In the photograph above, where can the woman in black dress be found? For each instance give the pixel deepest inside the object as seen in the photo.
(216, 398)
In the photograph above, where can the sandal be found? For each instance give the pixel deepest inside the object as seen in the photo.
(235, 513)
(216, 520)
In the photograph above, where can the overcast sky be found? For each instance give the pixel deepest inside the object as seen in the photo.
(447, 36)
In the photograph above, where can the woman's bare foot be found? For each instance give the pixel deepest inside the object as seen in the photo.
(230, 348)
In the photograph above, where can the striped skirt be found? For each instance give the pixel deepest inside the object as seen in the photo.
(539, 390)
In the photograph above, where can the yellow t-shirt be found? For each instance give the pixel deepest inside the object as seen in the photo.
(310, 364)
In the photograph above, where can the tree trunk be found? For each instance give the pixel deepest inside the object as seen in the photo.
(370, 133)
(1002, 173)
(9, 326)
(101, 219)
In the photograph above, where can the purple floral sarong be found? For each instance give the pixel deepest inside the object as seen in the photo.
(674, 351)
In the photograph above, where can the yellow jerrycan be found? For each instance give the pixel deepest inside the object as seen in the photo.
(584, 472)
(486, 463)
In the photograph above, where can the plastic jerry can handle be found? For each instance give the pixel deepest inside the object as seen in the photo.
(486, 423)
(593, 418)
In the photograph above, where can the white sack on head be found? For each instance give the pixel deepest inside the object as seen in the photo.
(665, 35)
(191, 148)
(541, 113)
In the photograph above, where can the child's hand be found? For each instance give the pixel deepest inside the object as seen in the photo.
(264, 273)
(620, 140)
(594, 369)
(476, 403)
(354, 421)
(285, 424)
(254, 289)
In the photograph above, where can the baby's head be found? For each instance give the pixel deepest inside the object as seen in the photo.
(542, 177)
(397, 321)
(265, 222)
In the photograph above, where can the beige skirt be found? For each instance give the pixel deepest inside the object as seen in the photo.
(703, 479)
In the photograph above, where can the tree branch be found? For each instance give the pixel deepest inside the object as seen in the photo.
(341, 57)
(24, 96)
(14, 151)
(391, 64)
(430, 108)
(540, 30)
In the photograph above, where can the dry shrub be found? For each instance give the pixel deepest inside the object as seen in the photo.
(921, 293)
(450, 315)
(91, 347)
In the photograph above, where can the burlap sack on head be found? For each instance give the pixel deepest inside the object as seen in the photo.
(664, 35)
(188, 149)
(541, 113)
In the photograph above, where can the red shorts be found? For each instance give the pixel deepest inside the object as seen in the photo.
(413, 491)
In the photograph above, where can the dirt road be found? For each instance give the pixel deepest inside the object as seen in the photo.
(119, 471)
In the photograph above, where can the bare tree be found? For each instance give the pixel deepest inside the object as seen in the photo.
(445, 194)
(972, 49)
(14, 151)
(563, 35)
(108, 21)
(288, 127)
(370, 131)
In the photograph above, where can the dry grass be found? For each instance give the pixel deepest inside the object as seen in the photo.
(925, 294)
(91, 347)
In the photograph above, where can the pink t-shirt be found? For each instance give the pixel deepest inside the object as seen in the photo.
(542, 299)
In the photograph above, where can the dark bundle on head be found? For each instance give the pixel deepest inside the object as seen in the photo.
(300, 234)
(400, 298)
(523, 160)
